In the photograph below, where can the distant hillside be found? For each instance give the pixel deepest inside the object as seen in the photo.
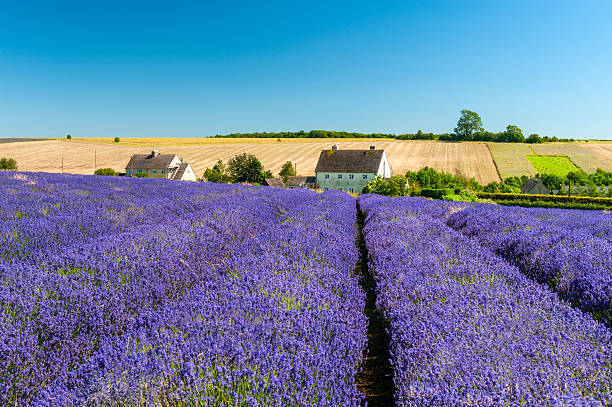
(483, 161)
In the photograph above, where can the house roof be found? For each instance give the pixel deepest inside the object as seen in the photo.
(275, 182)
(150, 161)
(180, 171)
(298, 181)
(349, 161)
(534, 186)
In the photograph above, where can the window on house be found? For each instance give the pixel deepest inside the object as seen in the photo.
(326, 176)
(163, 171)
(351, 190)
(351, 176)
(139, 171)
(327, 188)
(365, 176)
(153, 171)
(339, 176)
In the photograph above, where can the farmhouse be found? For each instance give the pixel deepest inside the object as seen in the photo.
(535, 186)
(350, 170)
(156, 165)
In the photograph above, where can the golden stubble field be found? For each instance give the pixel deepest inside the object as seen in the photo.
(467, 159)
(603, 150)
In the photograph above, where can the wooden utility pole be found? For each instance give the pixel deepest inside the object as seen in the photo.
(295, 168)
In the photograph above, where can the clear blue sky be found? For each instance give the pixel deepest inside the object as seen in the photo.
(117, 68)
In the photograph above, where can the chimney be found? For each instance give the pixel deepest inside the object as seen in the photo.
(334, 147)
(372, 147)
(154, 153)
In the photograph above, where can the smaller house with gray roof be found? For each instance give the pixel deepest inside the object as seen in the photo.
(535, 186)
(297, 181)
(156, 165)
(274, 182)
(350, 170)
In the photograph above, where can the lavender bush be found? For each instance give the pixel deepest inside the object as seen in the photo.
(467, 328)
(143, 292)
(570, 251)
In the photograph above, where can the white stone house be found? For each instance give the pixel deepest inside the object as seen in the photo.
(156, 165)
(350, 170)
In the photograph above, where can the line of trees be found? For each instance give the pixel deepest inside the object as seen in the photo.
(428, 178)
(469, 128)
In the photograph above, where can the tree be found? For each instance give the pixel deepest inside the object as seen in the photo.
(217, 174)
(245, 168)
(394, 186)
(8, 164)
(428, 178)
(552, 181)
(513, 134)
(493, 187)
(575, 177)
(266, 174)
(68, 136)
(468, 124)
(533, 139)
(105, 171)
(287, 171)
(117, 139)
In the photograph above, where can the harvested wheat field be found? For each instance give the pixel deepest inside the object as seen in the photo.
(511, 159)
(467, 159)
(603, 152)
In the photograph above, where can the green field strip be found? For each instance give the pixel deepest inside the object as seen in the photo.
(552, 164)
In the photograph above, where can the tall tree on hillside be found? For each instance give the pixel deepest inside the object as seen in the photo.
(245, 168)
(288, 170)
(513, 134)
(469, 123)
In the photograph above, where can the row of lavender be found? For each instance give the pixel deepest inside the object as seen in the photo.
(174, 293)
(570, 251)
(467, 328)
(45, 213)
(64, 292)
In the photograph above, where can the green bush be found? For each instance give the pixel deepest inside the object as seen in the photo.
(141, 175)
(117, 139)
(105, 171)
(8, 164)
(68, 136)
(461, 195)
(394, 186)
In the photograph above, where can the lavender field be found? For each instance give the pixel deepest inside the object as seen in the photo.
(140, 292)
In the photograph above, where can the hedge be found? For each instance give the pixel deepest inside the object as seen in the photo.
(549, 201)
(557, 205)
(436, 193)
